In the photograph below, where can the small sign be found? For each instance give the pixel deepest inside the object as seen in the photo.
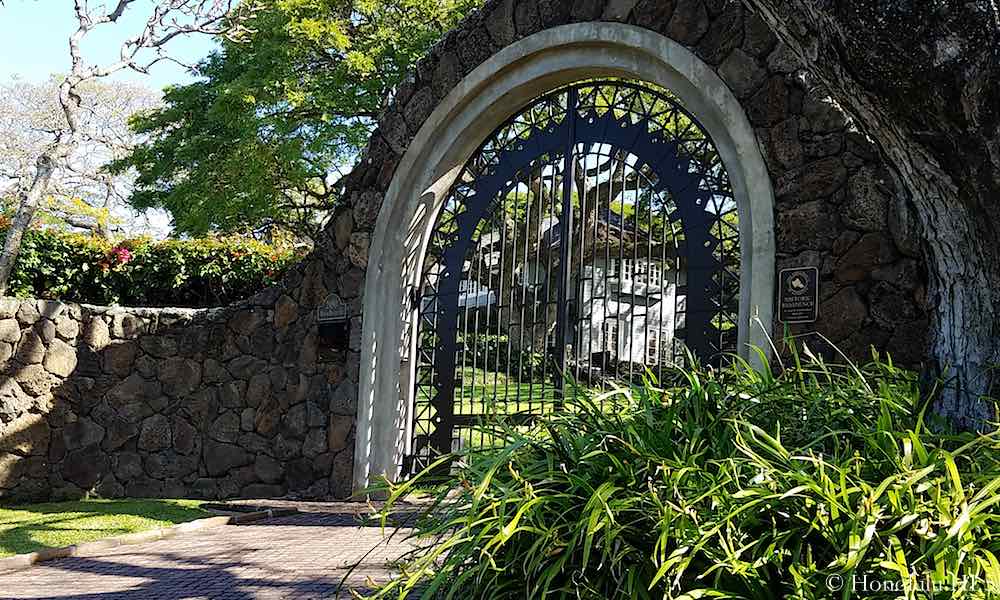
(333, 310)
(798, 295)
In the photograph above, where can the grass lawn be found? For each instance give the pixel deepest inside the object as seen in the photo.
(492, 395)
(31, 527)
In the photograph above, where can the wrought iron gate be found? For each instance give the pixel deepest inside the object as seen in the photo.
(592, 236)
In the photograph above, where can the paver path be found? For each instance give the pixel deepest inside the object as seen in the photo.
(301, 556)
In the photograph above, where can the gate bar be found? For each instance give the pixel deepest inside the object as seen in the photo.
(566, 241)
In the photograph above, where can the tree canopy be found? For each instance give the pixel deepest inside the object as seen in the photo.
(82, 195)
(260, 139)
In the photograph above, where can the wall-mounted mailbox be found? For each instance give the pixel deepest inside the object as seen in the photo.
(334, 325)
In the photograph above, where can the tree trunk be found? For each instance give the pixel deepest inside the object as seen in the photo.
(964, 281)
(922, 80)
(44, 168)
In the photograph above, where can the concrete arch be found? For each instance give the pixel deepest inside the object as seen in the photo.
(488, 95)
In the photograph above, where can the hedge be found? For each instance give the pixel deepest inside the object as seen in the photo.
(143, 272)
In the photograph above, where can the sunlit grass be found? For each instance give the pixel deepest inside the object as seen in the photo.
(32, 527)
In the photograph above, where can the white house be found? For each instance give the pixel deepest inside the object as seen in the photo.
(625, 302)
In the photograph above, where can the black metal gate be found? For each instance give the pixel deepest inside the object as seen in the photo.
(592, 236)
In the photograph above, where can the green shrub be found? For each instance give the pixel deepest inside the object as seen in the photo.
(502, 353)
(143, 272)
(821, 482)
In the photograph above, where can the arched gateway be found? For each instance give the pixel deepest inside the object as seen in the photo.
(619, 212)
(337, 375)
(593, 236)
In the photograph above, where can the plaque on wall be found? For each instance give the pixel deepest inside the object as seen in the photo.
(798, 295)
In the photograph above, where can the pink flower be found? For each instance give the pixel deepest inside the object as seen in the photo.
(121, 255)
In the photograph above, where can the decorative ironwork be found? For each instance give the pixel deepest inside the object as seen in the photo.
(594, 235)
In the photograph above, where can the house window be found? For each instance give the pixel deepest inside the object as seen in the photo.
(622, 269)
(658, 347)
(611, 337)
(652, 347)
(655, 273)
(642, 271)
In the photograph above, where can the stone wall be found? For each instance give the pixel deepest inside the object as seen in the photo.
(242, 401)
(837, 209)
(169, 402)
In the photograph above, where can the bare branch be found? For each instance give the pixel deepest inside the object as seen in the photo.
(62, 140)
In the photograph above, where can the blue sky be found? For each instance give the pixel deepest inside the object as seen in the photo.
(34, 35)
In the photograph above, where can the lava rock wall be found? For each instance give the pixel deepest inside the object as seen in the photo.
(166, 403)
(242, 401)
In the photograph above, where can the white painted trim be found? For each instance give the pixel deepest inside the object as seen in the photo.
(494, 91)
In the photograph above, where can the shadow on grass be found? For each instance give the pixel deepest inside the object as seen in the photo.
(33, 527)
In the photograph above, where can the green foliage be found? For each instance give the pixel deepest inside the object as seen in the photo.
(142, 272)
(734, 484)
(252, 143)
(502, 353)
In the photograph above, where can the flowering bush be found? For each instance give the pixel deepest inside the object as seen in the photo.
(120, 255)
(143, 272)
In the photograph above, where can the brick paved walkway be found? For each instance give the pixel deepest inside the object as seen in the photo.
(301, 556)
